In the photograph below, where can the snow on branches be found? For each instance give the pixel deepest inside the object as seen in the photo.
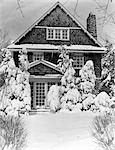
(53, 98)
(65, 65)
(70, 95)
(87, 84)
(15, 91)
(108, 71)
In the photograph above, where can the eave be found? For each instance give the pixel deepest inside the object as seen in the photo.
(55, 48)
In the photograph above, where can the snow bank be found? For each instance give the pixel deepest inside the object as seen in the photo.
(60, 131)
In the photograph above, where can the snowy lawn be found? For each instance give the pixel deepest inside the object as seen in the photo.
(61, 131)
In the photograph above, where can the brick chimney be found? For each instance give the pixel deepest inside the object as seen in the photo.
(91, 25)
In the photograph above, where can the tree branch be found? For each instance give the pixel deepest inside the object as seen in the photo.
(19, 6)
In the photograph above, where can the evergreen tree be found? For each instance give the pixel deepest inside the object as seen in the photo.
(87, 84)
(15, 90)
(65, 65)
(108, 71)
(70, 95)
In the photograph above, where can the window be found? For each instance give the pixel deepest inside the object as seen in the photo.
(50, 84)
(50, 33)
(40, 94)
(57, 34)
(78, 61)
(65, 34)
(38, 56)
(32, 93)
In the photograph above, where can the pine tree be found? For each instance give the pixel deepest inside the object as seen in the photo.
(87, 84)
(70, 95)
(108, 71)
(15, 90)
(65, 65)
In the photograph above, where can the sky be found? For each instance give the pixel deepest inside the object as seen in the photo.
(15, 24)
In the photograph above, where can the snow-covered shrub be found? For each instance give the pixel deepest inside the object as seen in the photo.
(88, 101)
(102, 101)
(12, 133)
(53, 98)
(88, 77)
(103, 131)
(15, 91)
(86, 84)
(70, 99)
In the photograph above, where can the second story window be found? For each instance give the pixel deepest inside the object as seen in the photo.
(57, 34)
(38, 56)
(50, 33)
(78, 61)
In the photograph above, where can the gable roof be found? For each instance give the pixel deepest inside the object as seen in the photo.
(46, 63)
(48, 12)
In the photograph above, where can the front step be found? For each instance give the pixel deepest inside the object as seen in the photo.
(36, 111)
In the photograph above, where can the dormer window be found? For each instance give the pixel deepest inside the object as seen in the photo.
(57, 34)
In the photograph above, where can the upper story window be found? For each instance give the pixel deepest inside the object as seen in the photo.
(38, 56)
(57, 34)
(78, 61)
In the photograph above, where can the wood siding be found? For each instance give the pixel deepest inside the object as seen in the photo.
(41, 69)
(57, 18)
(38, 36)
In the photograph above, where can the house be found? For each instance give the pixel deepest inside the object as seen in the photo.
(42, 40)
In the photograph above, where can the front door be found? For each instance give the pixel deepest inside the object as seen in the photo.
(39, 91)
(40, 95)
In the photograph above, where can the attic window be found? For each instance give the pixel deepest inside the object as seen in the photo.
(57, 34)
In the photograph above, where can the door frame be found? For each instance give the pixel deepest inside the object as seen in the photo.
(45, 80)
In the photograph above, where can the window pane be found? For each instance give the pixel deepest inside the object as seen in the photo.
(64, 34)
(50, 33)
(78, 61)
(38, 56)
(57, 33)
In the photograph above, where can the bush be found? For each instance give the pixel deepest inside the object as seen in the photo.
(12, 133)
(53, 98)
(103, 131)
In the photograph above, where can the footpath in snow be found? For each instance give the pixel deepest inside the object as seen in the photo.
(61, 131)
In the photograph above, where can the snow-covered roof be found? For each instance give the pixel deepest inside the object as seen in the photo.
(47, 76)
(48, 12)
(47, 63)
(54, 48)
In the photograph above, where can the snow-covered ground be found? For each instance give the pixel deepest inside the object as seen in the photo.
(61, 131)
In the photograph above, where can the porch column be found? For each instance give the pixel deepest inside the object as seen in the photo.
(34, 94)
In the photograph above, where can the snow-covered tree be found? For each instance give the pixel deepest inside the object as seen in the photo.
(108, 71)
(65, 65)
(87, 84)
(14, 97)
(70, 96)
(15, 91)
